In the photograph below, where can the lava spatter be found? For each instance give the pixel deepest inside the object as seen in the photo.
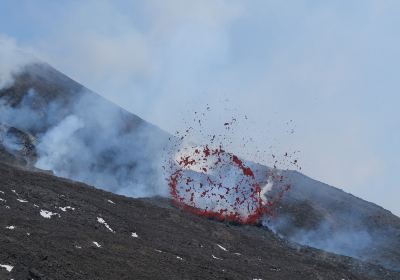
(213, 183)
(208, 181)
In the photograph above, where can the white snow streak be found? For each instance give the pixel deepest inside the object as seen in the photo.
(222, 248)
(101, 221)
(47, 214)
(214, 257)
(97, 244)
(7, 267)
(64, 209)
(134, 235)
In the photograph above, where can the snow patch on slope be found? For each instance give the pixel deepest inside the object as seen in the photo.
(48, 214)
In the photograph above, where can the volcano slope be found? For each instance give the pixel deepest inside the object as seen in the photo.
(77, 133)
(53, 228)
(321, 216)
(119, 152)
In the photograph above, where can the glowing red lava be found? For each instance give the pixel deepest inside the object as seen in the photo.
(213, 183)
(210, 182)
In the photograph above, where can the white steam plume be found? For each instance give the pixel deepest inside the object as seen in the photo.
(12, 59)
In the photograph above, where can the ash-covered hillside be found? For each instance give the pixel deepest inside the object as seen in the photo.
(49, 122)
(53, 228)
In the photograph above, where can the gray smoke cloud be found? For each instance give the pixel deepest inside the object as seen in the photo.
(94, 144)
(12, 60)
(346, 241)
(341, 232)
(80, 135)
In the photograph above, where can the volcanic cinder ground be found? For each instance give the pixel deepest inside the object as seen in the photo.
(53, 227)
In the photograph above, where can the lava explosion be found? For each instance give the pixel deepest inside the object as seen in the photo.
(213, 183)
(208, 181)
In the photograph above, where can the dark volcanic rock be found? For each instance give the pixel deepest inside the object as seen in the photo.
(16, 146)
(53, 228)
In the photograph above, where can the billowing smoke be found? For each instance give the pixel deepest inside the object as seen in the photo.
(84, 146)
(345, 241)
(334, 221)
(12, 60)
(77, 134)
(98, 144)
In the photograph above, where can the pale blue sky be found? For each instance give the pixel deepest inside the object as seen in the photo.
(331, 66)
